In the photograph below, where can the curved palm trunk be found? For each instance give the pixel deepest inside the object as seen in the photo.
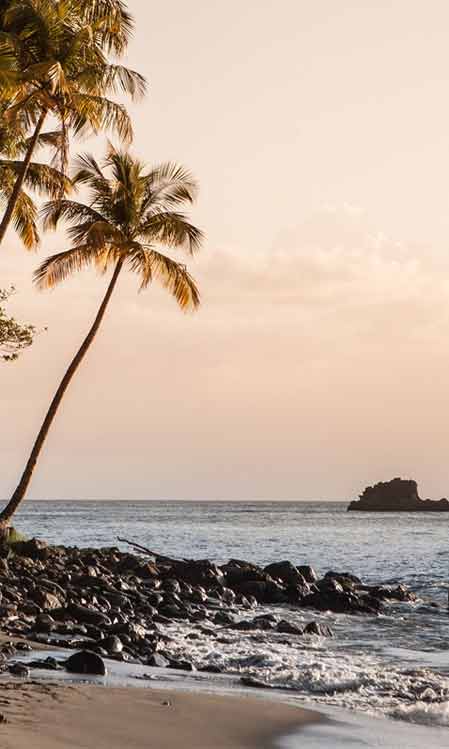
(19, 493)
(21, 178)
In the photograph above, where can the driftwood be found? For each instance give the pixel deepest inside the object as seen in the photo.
(157, 557)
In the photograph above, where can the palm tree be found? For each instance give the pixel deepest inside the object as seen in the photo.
(60, 49)
(129, 214)
(41, 178)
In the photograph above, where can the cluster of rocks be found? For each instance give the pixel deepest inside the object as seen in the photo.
(117, 604)
(397, 495)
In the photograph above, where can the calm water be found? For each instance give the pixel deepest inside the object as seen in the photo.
(395, 665)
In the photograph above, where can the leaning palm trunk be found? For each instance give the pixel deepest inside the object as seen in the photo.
(21, 177)
(22, 487)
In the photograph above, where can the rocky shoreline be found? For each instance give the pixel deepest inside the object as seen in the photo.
(108, 603)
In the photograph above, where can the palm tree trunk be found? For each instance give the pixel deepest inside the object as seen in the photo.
(21, 177)
(19, 493)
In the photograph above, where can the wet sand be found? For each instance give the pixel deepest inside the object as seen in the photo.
(52, 716)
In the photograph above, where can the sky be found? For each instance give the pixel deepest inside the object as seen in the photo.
(317, 364)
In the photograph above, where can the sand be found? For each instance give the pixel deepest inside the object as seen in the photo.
(52, 716)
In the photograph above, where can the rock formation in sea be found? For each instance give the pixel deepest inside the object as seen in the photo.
(397, 495)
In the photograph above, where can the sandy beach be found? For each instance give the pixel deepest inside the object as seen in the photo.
(50, 716)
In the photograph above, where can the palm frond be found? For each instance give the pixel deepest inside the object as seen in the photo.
(170, 184)
(115, 79)
(90, 113)
(112, 20)
(8, 66)
(59, 267)
(25, 221)
(171, 229)
(151, 266)
(67, 210)
(41, 178)
(51, 139)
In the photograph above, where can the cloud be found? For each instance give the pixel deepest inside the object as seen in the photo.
(309, 370)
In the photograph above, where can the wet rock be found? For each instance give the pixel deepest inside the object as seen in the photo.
(332, 597)
(86, 662)
(316, 628)
(210, 668)
(147, 570)
(44, 623)
(158, 661)
(7, 610)
(171, 585)
(171, 611)
(112, 644)
(201, 572)
(19, 669)
(286, 572)
(250, 681)
(346, 579)
(87, 615)
(34, 549)
(237, 573)
(221, 617)
(46, 600)
(308, 573)
(181, 665)
(8, 649)
(29, 608)
(287, 628)
(47, 664)
(392, 593)
(23, 646)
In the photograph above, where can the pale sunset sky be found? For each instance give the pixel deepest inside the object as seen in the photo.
(317, 364)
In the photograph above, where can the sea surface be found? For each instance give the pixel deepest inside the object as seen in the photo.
(393, 666)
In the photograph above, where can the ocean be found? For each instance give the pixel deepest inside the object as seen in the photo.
(391, 666)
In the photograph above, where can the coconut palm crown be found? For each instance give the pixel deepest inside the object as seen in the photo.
(129, 214)
(54, 64)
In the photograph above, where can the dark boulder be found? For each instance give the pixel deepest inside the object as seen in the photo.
(321, 630)
(44, 623)
(86, 615)
(287, 628)
(392, 593)
(19, 669)
(307, 572)
(46, 600)
(346, 579)
(112, 644)
(34, 549)
(331, 596)
(237, 573)
(158, 661)
(181, 665)
(86, 662)
(201, 572)
(286, 572)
